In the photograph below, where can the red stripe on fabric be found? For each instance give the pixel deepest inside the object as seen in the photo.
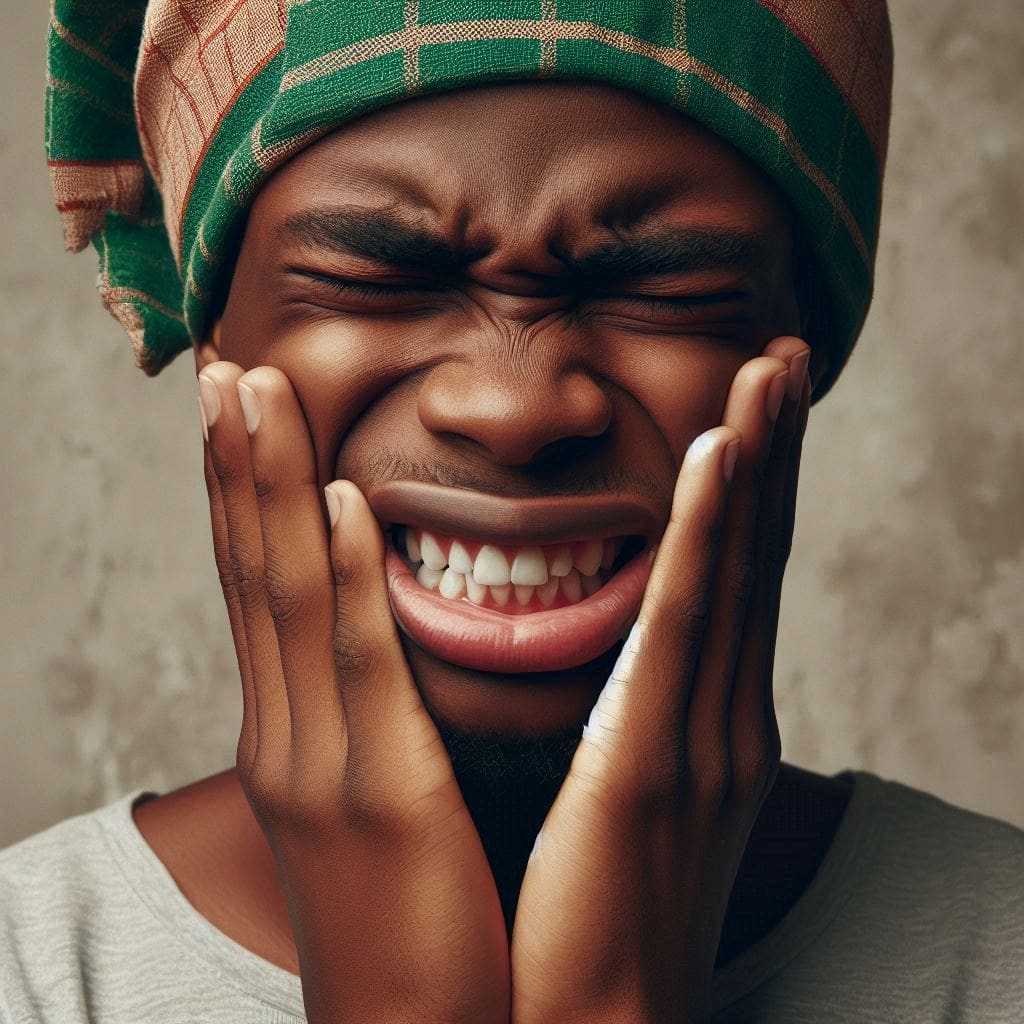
(875, 62)
(228, 18)
(197, 166)
(186, 16)
(183, 89)
(777, 7)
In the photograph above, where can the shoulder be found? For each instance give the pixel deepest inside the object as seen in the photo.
(916, 914)
(933, 839)
(63, 895)
(941, 897)
(49, 867)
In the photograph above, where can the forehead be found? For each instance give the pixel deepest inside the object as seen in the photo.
(551, 157)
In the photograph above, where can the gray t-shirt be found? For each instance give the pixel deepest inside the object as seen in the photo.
(916, 915)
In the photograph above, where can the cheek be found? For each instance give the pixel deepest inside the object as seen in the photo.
(682, 390)
(341, 373)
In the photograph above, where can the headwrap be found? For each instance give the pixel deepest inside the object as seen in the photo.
(163, 119)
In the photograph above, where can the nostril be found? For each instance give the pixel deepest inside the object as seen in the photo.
(527, 413)
(567, 453)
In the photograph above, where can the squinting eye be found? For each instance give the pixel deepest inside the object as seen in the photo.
(687, 305)
(364, 290)
(687, 302)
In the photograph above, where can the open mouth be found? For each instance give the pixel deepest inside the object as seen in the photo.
(511, 579)
(466, 603)
(514, 585)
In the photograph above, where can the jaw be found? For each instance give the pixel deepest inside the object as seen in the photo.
(524, 705)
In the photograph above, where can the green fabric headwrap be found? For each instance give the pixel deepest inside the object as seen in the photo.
(163, 119)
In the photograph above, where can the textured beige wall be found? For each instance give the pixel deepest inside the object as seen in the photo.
(902, 642)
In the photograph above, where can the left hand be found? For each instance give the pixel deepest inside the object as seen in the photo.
(622, 906)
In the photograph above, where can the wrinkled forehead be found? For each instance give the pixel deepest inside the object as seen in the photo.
(529, 158)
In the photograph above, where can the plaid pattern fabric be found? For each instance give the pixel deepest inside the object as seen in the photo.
(163, 119)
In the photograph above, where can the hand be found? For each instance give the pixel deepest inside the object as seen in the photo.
(393, 907)
(624, 897)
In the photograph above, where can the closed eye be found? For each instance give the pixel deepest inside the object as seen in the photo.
(668, 305)
(686, 302)
(365, 290)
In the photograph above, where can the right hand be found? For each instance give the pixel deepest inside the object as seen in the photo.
(393, 907)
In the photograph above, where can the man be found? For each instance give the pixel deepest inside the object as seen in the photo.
(502, 390)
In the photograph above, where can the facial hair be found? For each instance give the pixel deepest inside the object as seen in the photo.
(509, 784)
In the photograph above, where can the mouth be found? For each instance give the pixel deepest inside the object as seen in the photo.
(512, 579)
(547, 585)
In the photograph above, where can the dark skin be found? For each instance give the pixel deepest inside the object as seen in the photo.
(578, 283)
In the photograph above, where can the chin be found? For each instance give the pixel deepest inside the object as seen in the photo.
(511, 705)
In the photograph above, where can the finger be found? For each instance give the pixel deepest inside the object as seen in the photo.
(229, 453)
(751, 409)
(298, 583)
(219, 528)
(388, 727)
(638, 718)
(756, 742)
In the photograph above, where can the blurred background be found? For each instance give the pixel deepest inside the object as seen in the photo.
(901, 646)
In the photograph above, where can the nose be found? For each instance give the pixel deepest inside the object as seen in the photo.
(514, 412)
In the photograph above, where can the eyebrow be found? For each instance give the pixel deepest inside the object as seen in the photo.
(385, 237)
(667, 249)
(377, 235)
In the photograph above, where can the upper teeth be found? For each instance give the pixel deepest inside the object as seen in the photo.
(530, 565)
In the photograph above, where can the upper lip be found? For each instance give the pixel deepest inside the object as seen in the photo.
(491, 518)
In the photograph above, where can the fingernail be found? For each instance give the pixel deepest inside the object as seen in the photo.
(210, 400)
(333, 505)
(797, 374)
(732, 452)
(250, 407)
(776, 393)
(202, 420)
(702, 445)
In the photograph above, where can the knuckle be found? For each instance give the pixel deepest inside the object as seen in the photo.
(373, 810)
(245, 752)
(354, 656)
(657, 782)
(247, 579)
(294, 806)
(687, 611)
(712, 781)
(374, 819)
(345, 573)
(755, 766)
(265, 787)
(225, 573)
(741, 576)
(263, 486)
(230, 473)
(691, 626)
(313, 808)
(283, 603)
(210, 475)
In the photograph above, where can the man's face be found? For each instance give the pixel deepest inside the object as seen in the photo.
(522, 291)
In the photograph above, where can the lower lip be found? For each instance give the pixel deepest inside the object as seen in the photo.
(464, 634)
